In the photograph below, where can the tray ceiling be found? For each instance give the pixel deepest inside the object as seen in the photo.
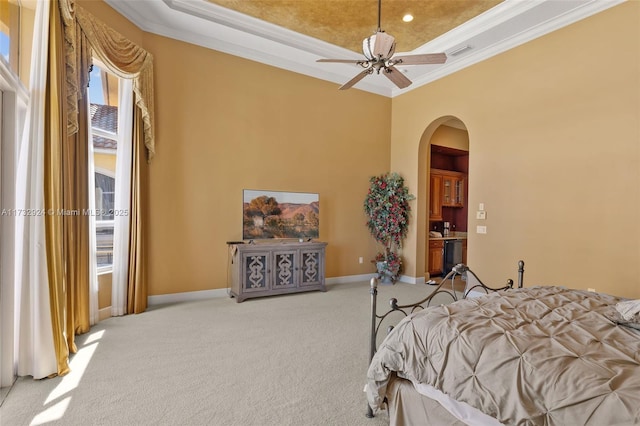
(293, 34)
(346, 22)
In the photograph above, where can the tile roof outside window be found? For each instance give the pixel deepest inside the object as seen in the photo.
(104, 117)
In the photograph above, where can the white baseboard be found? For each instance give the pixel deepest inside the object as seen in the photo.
(186, 296)
(104, 313)
(189, 296)
(412, 280)
(349, 279)
(366, 277)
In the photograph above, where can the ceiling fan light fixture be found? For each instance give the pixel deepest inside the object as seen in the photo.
(378, 46)
(378, 50)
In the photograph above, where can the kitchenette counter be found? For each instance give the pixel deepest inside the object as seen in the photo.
(454, 236)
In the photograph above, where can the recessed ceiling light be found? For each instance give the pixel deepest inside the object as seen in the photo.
(407, 18)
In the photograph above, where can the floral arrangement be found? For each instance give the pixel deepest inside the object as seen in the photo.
(387, 209)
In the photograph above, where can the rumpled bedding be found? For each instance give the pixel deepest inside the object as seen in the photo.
(531, 356)
(629, 309)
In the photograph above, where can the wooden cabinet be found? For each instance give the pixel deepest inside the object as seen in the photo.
(435, 260)
(436, 257)
(265, 269)
(452, 187)
(458, 191)
(435, 197)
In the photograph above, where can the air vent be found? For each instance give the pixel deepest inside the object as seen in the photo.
(460, 50)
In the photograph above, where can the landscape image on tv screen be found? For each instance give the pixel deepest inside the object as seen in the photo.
(277, 214)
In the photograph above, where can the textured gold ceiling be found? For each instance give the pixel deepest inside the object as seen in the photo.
(347, 22)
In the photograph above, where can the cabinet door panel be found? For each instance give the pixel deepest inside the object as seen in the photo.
(459, 192)
(435, 198)
(284, 270)
(255, 267)
(447, 191)
(436, 257)
(311, 268)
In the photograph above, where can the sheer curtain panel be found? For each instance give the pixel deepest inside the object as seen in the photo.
(120, 276)
(36, 355)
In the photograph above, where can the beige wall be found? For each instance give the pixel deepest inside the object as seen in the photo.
(109, 16)
(104, 290)
(226, 124)
(451, 138)
(554, 131)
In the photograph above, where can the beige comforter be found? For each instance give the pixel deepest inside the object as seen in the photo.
(539, 355)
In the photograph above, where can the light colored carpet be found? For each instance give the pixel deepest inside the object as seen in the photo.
(298, 359)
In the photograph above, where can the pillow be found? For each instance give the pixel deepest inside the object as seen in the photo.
(629, 309)
(616, 317)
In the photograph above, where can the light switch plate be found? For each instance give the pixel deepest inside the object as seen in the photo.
(481, 229)
(481, 214)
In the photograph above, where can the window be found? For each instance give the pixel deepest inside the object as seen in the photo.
(9, 32)
(105, 195)
(103, 108)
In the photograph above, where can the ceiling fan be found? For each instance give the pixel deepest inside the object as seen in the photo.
(378, 50)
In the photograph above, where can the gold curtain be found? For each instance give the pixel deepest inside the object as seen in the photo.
(76, 225)
(137, 284)
(66, 195)
(74, 35)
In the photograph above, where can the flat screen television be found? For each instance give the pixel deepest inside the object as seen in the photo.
(278, 214)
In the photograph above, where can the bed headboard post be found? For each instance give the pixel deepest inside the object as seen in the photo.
(374, 296)
(520, 273)
(372, 349)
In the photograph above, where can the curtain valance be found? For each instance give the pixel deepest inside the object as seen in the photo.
(86, 36)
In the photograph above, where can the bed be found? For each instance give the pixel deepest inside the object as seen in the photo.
(543, 355)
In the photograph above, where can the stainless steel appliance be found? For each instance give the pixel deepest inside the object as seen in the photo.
(446, 228)
(452, 254)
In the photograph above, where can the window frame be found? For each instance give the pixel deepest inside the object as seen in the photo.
(96, 131)
(15, 99)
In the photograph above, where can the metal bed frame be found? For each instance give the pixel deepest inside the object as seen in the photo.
(442, 288)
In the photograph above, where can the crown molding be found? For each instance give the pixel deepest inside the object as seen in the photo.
(509, 24)
(550, 15)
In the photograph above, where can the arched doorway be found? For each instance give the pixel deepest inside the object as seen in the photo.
(443, 183)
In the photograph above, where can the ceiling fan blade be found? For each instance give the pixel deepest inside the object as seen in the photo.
(396, 76)
(342, 61)
(356, 79)
(427, 58)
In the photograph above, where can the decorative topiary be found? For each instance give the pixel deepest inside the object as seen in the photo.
(387, 209)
